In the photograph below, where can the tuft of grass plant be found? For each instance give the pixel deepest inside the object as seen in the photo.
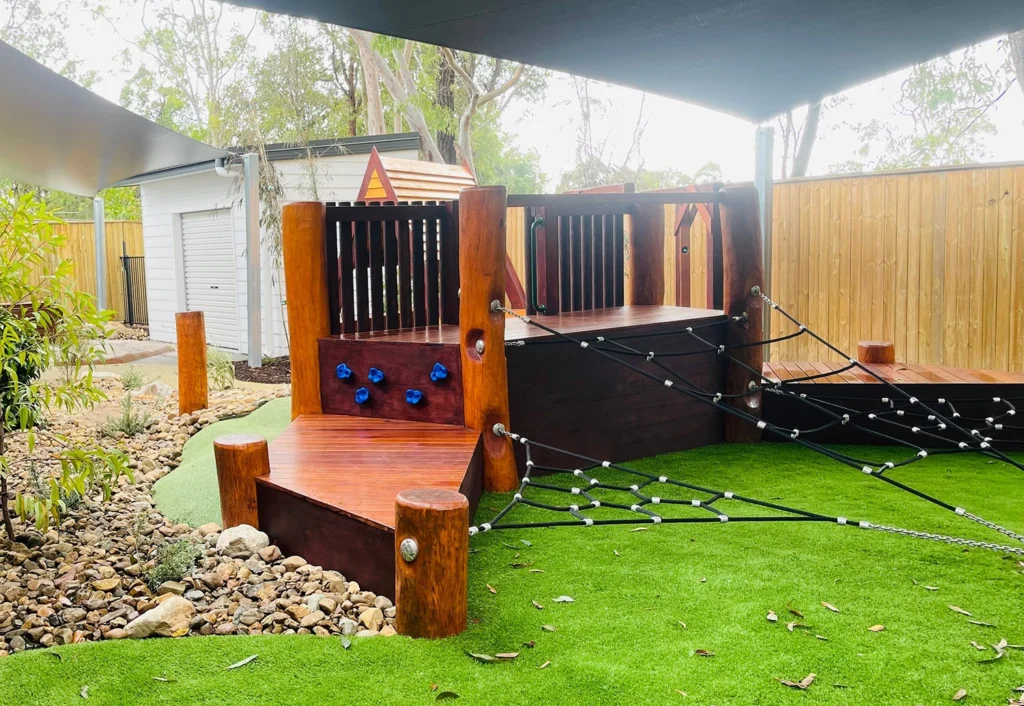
(131, 421)
(174, 561)
(131, 378)
(220, 369)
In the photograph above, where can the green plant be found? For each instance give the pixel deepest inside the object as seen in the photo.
(61, 326)
(219, 369)
(72, 499)
(173, 562)
(130, 421)
(131, 378)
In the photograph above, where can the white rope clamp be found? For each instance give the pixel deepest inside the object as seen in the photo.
(868, 470)
(584, 344)
(663, 479)
(795, 434)
(727, 495)
(922, 453)
(473, 531)
(655, 519)
(695, 502)
(668, 383)
(723, 518)
(634, 508)
(485, 527)
(594, 481)
(889, 464)
(959, 511)
(841, 520)
(575, 491)
(656, 500)
(864, 525)
(606, 464)
(587, 522)
(717, 397)
(578, 473)
(518, 496)
(650, 356)
(595, 503)
(762, 425)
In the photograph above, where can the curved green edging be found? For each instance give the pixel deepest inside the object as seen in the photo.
(189, 492)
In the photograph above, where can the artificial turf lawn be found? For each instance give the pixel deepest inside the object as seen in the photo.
(190, 493)
(621, 641)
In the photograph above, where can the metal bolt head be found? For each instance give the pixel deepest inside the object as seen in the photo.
(499, 429)
(751, 385)
(496, 306)
(480, 346)
(755, 291)
(409, 549)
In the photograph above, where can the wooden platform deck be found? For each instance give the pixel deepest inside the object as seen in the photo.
(633, 318)
(330, 495)
(898, 374)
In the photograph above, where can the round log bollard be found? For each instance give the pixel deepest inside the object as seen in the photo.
(881, 352)
(192, 384)
(431, 562)
(240, 459)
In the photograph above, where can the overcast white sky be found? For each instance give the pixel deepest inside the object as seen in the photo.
(678, 135)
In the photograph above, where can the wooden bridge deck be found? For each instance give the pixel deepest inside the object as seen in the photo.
(898, 374)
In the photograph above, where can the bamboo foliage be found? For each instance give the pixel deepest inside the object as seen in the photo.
(932, 260)
(80, 248)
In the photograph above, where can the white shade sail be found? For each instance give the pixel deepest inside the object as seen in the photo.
(58, 135)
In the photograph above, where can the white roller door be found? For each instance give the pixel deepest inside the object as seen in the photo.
(208, 255)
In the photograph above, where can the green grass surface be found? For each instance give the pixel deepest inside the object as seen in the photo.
(189, 493)
(621, 641)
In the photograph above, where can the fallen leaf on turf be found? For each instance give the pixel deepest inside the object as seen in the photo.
(876, 628)
(165, 680)
(837, 685)
(547, 628)
(771, 617)
(521, 565)
(507, 655)
(531, 644)
(84, 693)
(981, 623)
(536, 571)
(509, 546)
(682, 624)
(680, 692)
(345, 642)
(526, 542)
(960, 695)
(999, 653)
(445, 695)
(958, 609)
(914, 580)
(639, 529)
(830, 606)
(822, 638)
(802, 684)
(433, 687)
(794, 611)
(616, 552)
(56, 655)
(703, 579)
(980, 648)
(491, 588)
(537, 605)
(244, 662)
(482, 657)
(545, 665)
(564, 599)
(791, 626)
(704, 653)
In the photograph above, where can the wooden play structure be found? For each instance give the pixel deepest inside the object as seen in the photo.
(394, 180)
(402, 367)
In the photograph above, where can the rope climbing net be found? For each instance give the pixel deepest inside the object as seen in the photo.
(896, 409)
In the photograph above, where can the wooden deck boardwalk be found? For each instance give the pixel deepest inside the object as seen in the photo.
(897, 374)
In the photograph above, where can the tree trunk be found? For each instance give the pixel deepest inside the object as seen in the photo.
(375, 124)
(5, 508)
(1017, 55)
(445, 100)
(810, 134)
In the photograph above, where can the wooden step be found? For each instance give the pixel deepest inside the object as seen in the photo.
(330, 495)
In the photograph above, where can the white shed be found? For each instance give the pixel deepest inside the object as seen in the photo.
(193, 225)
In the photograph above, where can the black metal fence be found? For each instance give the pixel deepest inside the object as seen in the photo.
(133, 282)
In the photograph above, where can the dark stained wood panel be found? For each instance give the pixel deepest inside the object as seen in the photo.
(356, 465)
(405, 366)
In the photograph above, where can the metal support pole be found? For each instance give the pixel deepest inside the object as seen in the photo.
(764, 161)
(251, 203)
(100, 235)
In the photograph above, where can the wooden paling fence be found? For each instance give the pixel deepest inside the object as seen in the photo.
(932, 260)
(80, 247)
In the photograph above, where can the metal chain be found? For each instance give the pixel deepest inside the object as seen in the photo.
(994, 526)
(1019, 551)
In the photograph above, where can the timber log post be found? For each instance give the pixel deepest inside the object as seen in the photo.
(647, 254)
(882, 352)
(240, 459)
(304, 230)
(482, 330)
(431, 562)
(193, 388)
(742, 285)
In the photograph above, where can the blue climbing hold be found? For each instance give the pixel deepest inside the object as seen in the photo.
(362, 395)
(375, 375)
(413, 396)
(343, 372)
(439, 372)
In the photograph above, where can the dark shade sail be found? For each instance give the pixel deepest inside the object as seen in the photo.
(752, 58)
(58, 135)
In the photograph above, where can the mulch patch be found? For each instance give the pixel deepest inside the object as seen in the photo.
(274, 371)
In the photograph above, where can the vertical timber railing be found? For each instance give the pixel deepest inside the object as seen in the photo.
(392, 266)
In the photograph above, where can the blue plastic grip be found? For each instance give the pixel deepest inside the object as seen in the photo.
(439, 372)
(375, 375)
(362, 395)
(413, 396)
(343, 372)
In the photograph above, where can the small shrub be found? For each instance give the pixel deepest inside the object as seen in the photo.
(130, 422)
(174, 561)
(220, 369)
(131, 378)
(27, 348)
(70, 498)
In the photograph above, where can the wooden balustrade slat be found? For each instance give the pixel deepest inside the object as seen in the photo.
(418, 295)
(348, 321)
(362, 257)
(390, 274)
(433, 296)
(404, 274)
(333, 275)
